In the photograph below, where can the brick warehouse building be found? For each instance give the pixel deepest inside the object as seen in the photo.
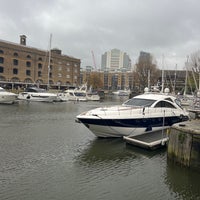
(20, 64)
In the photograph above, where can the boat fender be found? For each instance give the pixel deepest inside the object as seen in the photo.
(163, 142)
(149, 128)
(143, 111)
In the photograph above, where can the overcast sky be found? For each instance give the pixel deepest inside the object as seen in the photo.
(164, 28)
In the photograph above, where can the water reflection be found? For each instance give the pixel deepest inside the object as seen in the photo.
(182, 181)
(103, 150)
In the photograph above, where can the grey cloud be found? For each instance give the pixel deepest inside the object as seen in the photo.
(167, 27)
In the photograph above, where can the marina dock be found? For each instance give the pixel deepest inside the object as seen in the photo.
(150, 139)
(184, 144)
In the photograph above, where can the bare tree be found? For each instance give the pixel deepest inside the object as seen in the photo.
(195, 65)
(144, 67)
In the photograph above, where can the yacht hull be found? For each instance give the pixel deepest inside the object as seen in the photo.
(37, 97)
(125, 127)
(7, 99)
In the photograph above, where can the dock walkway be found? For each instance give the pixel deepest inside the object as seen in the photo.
(149, 140)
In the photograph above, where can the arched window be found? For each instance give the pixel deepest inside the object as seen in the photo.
(15, 79)
(2, 78)
(28, 80)
(39, 81)
(28, 56)
(40, 59)
(15, 54)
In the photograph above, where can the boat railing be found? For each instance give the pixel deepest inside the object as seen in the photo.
(140, 111)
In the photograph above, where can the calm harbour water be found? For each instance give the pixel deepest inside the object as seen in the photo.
(45, 155)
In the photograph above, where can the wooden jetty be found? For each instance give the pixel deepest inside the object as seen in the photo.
(150, 139)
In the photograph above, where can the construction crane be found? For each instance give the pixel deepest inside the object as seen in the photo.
(94, 60)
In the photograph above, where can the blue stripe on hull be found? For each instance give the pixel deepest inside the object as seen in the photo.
(142, 122)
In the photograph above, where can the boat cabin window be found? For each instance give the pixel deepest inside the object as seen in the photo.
(80, 94)
(169, 99)
(139, 102)
(164, 104)
(34, 90)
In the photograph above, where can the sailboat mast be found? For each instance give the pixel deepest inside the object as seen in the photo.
(49, 61)
(186, 77)
(162, 89)
(175, 79)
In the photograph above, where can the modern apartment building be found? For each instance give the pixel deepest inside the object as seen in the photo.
(22, 64)
(115, 60)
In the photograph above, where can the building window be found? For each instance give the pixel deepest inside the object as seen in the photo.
(68, 69)
(60, 68)
(1, 69)
(59, 75)
(39, 74)
(15, 71)
(50, 75)
(75, 77)
(28, 72)
(15, 54)
(40, 59)
(2, 78)
(1, 51)
(1, 60)
(15, 62)
(68, 76)
(68, 63)
(28, 64)
(28, 56)
(39, 66)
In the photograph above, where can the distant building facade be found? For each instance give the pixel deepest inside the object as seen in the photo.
(174, 80)
(22, 64)
(115, 60)
(110, 80)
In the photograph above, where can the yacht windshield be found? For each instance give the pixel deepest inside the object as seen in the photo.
(139, 102)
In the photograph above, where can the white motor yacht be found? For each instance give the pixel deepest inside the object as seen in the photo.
(37, 94)
(146, 112)
(74, 94)
(7, 97)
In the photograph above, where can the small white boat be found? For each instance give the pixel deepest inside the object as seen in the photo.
(37, 94)
(7, 97)
(62, 97)
(135, 116)
(74, 94)
(92, 95)
(125, 92)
